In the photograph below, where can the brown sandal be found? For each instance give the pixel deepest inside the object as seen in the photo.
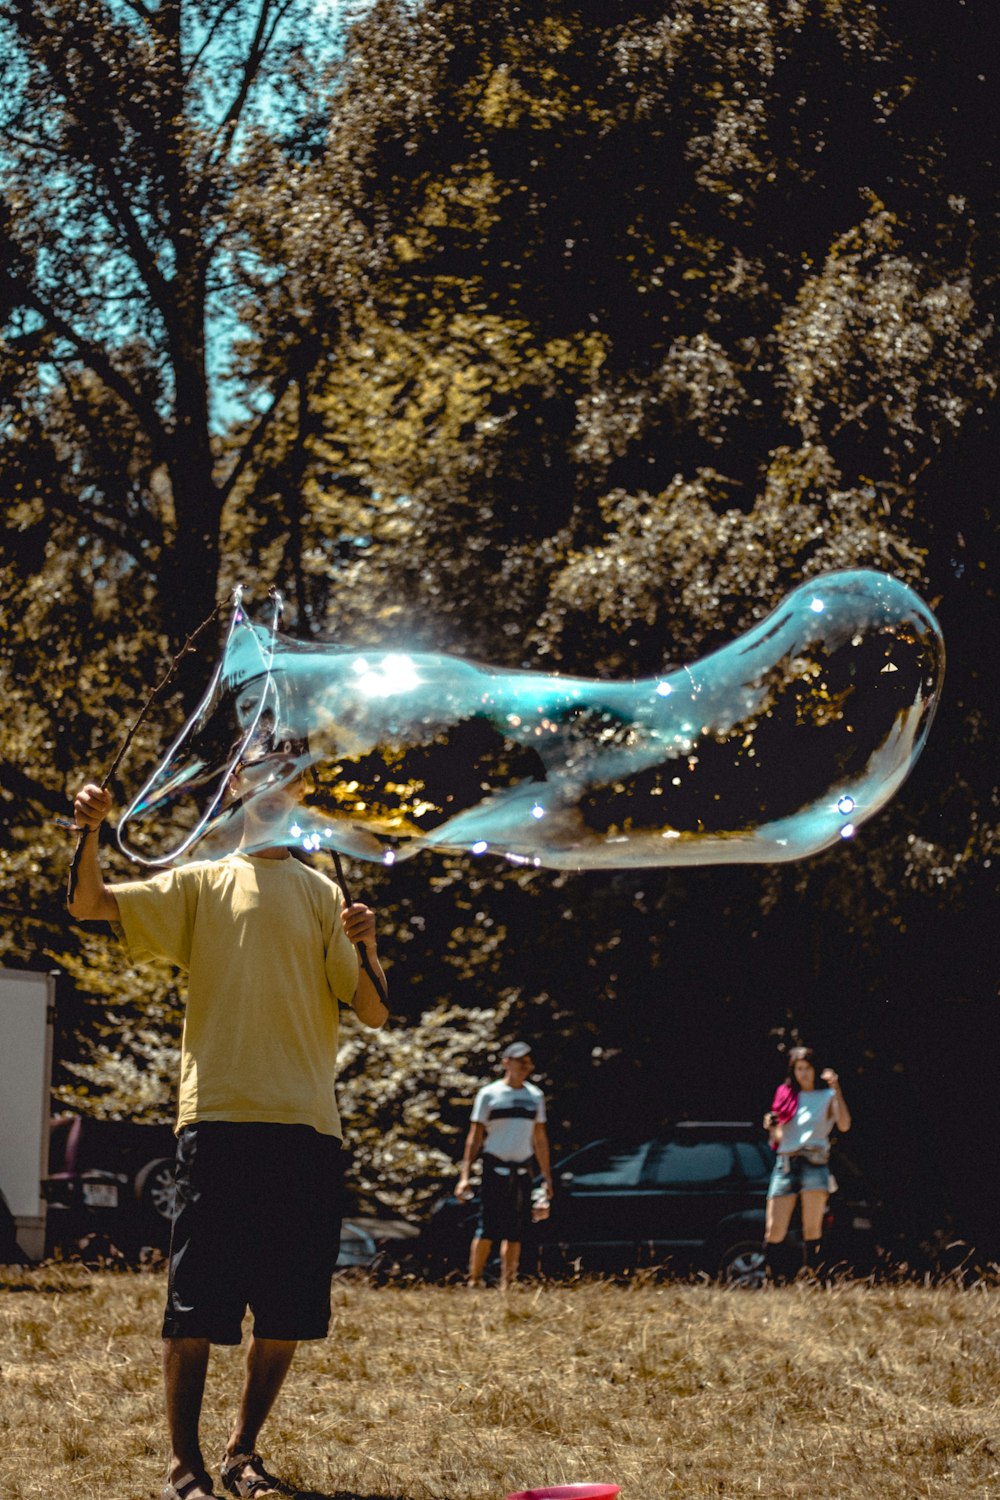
(245, 1474)
(189, 1487)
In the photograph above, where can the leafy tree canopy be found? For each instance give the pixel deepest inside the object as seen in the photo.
(568, 335)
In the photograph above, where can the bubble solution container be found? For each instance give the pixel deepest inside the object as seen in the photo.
(569, 1492)
(540, 1209)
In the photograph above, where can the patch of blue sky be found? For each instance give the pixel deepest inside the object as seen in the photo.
(272, 108)
(100, 291)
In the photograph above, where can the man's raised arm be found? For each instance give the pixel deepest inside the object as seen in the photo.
(359, 924)
(91, 900)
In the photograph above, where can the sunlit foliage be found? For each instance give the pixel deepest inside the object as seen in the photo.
(569, 335)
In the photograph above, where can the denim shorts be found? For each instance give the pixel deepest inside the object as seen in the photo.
(797, 1174)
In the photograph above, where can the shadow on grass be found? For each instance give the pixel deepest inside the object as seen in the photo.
(62, 1287)
(342, 1495)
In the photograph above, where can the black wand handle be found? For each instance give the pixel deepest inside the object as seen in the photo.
(366, 962)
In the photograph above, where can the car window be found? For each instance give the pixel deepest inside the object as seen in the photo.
(756, 1159)
(676, 1163)
(606, 1164)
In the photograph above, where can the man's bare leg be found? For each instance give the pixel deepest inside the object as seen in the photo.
(478, 1256)
(185, 1365)
(510, 1260)
(268, 1361)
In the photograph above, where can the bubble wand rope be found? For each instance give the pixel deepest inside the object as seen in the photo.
(133, 727)
(250, 729)
(366, 962)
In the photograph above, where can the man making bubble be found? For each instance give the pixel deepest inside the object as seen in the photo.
(268, 948)
(508, 1127)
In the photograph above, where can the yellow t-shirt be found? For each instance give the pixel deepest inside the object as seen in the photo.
(267, 960)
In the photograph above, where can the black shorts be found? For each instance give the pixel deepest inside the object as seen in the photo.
(505, 1198)
(258, 1226)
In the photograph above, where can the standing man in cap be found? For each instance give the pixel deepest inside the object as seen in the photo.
(508, 1128)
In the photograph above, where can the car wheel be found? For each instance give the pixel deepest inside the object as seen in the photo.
(743, 1264)
(155, 1191)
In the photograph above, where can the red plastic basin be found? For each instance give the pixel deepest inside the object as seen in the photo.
(569, 1492)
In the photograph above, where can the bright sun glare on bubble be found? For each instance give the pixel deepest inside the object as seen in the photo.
(395, 673)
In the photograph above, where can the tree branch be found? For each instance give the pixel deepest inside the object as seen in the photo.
(77, 510)
(139, 518)
(255, 439)
(101, 365)
(195, 61)
(22, 788)
(137, 7)
(255, 56)
(142, 254)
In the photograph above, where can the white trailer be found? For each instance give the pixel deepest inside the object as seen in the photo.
(27, 1014)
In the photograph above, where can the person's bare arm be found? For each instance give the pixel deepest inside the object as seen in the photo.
(540, 1145)
(92, 900)
(841, 1113)
(359, 924)
(473, 1145)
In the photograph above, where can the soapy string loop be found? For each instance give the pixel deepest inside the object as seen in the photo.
(235, 600)
(133, 728)
(245, 739)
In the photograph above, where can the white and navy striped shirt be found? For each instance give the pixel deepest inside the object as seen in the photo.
(509, 1117)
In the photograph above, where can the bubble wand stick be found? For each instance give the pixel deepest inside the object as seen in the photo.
(366, 962)
(133, 728)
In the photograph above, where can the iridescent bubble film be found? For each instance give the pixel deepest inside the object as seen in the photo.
(774, 747)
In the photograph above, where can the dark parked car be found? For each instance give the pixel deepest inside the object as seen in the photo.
(691, 1199)
(110, 1190)
(110, 1186)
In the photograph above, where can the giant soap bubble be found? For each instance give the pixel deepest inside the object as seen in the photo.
(774, 747)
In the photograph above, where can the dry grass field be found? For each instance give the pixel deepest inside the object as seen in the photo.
(847, 1393)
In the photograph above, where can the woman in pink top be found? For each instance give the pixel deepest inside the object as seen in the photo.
(805, 1110)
